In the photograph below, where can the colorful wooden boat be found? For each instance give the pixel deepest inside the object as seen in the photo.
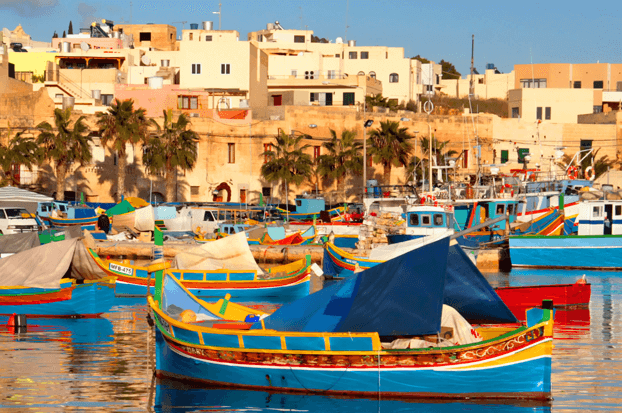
(59, 222)
(334, 341)
(522, 297)
(89, 299)
(336, 215)
(285, 281)
(597, 245)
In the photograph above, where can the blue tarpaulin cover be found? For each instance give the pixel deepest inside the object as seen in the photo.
(402, 296)
(469, 292)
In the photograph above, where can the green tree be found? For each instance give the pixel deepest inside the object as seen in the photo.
(287, 161)
(70, 30)
(122, 125)
(64, 145)
(343, 157)
(602, 165)
(421, 59)
(19, 151)
(173, 147)
(449, 70)
(390, 146)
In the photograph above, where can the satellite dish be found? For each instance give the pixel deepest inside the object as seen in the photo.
(145, 59)
(84, 46)
(339, 40)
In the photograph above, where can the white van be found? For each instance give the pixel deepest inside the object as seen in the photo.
(14, 220)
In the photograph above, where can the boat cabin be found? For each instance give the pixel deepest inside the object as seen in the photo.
(426, 220)
(473, 212)
(307, 205)
(602, 217)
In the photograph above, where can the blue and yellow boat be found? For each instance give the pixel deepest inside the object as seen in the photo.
(339, 340)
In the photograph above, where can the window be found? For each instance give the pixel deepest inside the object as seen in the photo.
(187, 102)
(190, 36)
(331, 74)
(414, 220)
(194, 190)
(596, 212)
(107, 100)
(598, 84)
(618, 209)
(58, 96)
(521, 154)
(352, 55)
(598, 109)
(267, 147)
(337, 55)
(231, 152)
(208, 216)
(225, 69)
(425, 220)
(429, 88)
(511, 209)
(394, 78)
(533, 83)
(576, 84)
(465, 159)
(314, 97)
(438, 220)
(309, 75)
(348, 98)
(294, 73)
(505, 156)
(316, 153)
(364, 55)
(196, 68)
(372, 75)
(361, 73)
(144, 37)
(208, 38)
(266, 191)
(547, 113)
(539, 113)
(299, 39)
(2, 215)
(515, 113)
(500, 209)
(260, 38)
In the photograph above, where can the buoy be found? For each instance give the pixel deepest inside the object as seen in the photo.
(17, 323)
(582, 280)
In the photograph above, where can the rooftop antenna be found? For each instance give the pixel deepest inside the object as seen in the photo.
(218, 13)
(130, 12)
(300, 17)
(345, 37)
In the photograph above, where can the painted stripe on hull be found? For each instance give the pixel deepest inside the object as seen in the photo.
(519, 379)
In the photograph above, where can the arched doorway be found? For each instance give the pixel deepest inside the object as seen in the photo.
(218, 192)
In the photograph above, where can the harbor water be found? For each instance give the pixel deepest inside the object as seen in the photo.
(106, 364)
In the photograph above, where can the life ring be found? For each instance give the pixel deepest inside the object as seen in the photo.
(431, 199)
(573, 172)
(508, 186)
(532, 177)
(589, 173)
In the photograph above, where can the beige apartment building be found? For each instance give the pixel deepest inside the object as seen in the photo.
(151, 36)
(490, 85)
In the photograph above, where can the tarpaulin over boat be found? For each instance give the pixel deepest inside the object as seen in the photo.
(402, 296)
(44, 266)
(232, 253)
(469, 292)
(13, 243)
(144, 219)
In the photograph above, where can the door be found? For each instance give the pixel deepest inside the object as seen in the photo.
(608, 219)
(278, 100)
(243, 196)
(329, 99)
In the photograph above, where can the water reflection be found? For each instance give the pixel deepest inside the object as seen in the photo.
(173, 396)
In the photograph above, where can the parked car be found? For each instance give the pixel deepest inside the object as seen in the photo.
(14, 220)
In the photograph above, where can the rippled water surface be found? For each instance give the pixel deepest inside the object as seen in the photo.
(106, 364)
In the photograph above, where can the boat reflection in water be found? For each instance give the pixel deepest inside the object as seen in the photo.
(175, 396)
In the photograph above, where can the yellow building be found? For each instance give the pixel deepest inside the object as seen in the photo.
(550, 105)
(151, 36)
(490, 85)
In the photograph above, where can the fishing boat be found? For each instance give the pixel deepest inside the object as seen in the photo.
(366, 336)
(597, 245)
(312, 208)
(287, 281)
(520, 298)
(71, 299)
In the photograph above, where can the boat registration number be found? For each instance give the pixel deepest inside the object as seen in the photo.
(120, 268)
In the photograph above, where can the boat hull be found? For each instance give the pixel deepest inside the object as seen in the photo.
(571, 251)
(83, 300)
(519, 299)
(524, 373)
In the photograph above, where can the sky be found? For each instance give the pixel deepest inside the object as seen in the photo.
(506, 33)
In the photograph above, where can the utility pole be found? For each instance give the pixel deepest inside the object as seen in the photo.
(471, 84)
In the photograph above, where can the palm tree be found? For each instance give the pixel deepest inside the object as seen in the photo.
(19, 151)
(122, 125)
(174, 146)
(390, 145)
(287, 161)
(342, 158)
(66, 146)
